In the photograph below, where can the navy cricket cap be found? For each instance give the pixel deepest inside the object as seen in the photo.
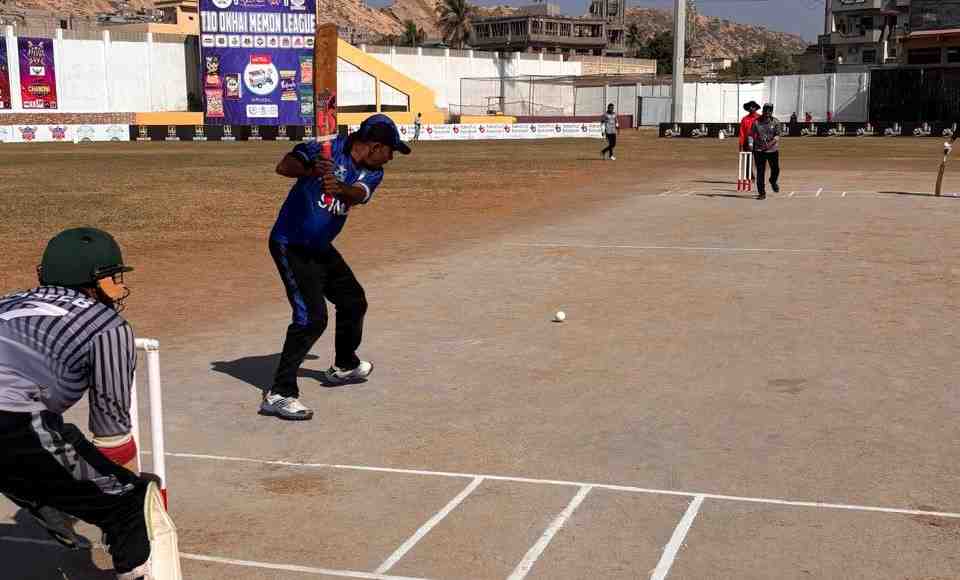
(380, 128)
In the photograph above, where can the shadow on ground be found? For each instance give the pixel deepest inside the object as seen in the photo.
(916, 193)
(31, 561)
(733, 195)
(715, 181)
(257, 371)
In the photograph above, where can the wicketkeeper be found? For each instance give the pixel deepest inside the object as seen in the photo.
(58, 342)
(312, 270)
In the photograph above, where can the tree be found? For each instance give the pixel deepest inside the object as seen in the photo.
(412, 34)
(660, 49)
(634, 38)
(455, 17)
(767, 62)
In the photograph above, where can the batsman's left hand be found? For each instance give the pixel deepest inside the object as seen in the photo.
(331, 184)
(321, 167)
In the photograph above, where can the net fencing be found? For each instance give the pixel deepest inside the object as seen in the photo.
(841, 97)
(544, 96)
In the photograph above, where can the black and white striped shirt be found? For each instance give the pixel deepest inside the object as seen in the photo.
(55, 345)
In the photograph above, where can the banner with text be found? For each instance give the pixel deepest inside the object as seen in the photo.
(498, 131)
(257, 61)
(6, 99)
(38, 76)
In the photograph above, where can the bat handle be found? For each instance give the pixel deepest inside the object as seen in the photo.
(327, 150)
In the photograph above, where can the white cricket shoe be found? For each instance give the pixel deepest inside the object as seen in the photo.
(612, 158)
(288, 408)
(337, 376)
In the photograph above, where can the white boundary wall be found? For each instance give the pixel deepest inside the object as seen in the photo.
(718, 102)
(104, 76)
(845, 95)
(442, 69)
(703, 102)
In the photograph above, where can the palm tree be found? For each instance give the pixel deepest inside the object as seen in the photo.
(455, 16)
(412, 34)
(634, 38)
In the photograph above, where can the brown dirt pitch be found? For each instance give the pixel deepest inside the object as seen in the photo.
(742, 389)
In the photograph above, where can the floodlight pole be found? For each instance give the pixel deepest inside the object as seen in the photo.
(679, 49)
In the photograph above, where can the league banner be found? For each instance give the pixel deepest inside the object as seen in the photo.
(6, 99)
(38, 80)
(257, 61)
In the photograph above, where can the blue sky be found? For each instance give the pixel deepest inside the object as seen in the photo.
(803, 17)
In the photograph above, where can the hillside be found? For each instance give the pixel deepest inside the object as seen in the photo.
(714, 37)
(78, 7)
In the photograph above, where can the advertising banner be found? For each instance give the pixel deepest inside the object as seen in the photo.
(257, 61)
(483, 132)
(38, 78)
(6, 99)
(46, 133)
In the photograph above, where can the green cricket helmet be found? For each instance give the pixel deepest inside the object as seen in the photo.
(80, 257)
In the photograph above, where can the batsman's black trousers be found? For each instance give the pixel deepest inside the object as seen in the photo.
(311, 277)
(611, 144)
(762, 158)
(46, 463)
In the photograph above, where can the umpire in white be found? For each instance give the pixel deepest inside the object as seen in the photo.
(58, 342)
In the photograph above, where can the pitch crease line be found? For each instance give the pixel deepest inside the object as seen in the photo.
(425, 528)
(245, 563)
(525, 565)
(293, 568)
(668, 248)
(611, 487)
(676, 541)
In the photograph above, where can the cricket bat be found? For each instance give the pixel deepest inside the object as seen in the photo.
(943, 164)
(325, 86)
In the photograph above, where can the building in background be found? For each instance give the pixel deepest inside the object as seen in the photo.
(169, 17)
(614, 15)
(934, 33)
(46, 22)
(808, 61)
(542, 28)
(861, 34)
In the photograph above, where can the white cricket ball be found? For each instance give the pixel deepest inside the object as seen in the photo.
(560, 316)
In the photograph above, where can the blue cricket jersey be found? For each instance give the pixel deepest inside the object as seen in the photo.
(311, 217)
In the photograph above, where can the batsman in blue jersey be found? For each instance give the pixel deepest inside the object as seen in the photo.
(312, 270)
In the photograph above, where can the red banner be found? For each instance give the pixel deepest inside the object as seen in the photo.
(38, 80)
(6, 99)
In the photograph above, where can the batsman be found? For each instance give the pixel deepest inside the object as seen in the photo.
(58, 342)
(311, 268)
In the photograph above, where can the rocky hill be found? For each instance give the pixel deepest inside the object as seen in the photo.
(714, 37)
(78, 7)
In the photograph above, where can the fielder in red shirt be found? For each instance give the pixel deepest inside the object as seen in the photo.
(746, 124)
